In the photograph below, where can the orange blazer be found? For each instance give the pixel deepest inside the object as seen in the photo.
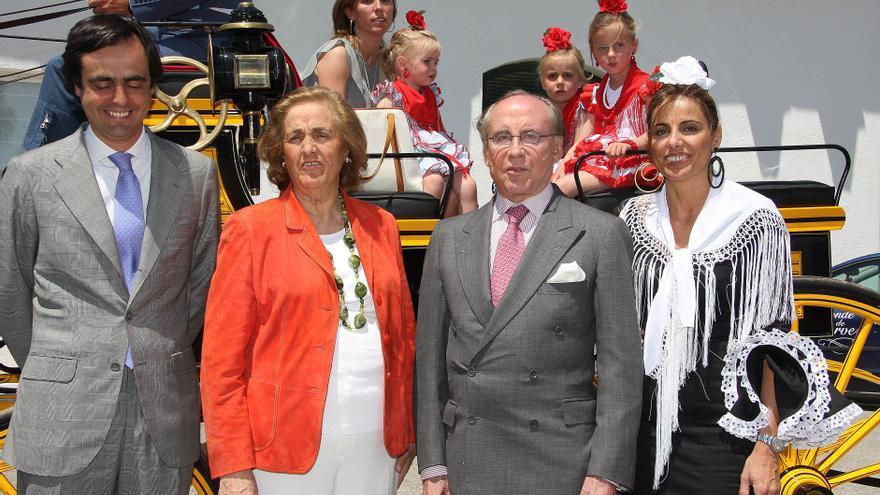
(270, 332)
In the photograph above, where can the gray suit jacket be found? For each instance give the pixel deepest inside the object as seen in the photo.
(68, 317)
(504, 395)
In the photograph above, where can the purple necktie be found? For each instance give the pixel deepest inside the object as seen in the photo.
(510, 249)
(128, 223)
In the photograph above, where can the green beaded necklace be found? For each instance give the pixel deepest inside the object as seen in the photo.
(354, 261)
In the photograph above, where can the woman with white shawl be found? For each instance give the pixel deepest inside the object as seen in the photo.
(726, 386)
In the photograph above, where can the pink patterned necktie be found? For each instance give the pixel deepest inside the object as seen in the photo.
(510, 249)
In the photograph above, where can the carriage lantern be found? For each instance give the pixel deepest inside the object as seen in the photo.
(248, 72)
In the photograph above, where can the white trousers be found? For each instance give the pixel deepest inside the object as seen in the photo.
(346, 465)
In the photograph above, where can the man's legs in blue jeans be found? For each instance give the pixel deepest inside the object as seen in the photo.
(58, 112)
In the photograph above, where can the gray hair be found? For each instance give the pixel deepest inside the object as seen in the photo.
(555, 115)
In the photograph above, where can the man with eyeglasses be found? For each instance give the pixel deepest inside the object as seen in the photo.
(514, 299)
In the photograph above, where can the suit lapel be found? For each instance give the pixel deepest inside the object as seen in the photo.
(552, 238)
(162, 206)
(472, 260)
(78, 189)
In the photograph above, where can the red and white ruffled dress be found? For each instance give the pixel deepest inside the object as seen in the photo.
(428, 133)
(623, 122)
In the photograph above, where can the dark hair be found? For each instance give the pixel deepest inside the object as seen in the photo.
(668, 93)
(341, 24)
(271, 145)
(554, 114)
(100, 31)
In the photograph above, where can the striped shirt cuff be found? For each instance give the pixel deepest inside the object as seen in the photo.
(433, 472)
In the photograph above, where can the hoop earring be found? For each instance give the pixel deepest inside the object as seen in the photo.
(716, 174)
(641, 173)
(351, 26)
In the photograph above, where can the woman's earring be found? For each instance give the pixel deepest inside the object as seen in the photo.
(716, 175)
(406, 74)
(351, 26)
(347, 159)
(648, 178)
(632, 59)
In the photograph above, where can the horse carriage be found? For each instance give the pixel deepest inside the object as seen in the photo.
(219, 107)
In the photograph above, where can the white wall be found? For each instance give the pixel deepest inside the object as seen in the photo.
(788, 72)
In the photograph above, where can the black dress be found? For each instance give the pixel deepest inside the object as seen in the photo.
(705, 458)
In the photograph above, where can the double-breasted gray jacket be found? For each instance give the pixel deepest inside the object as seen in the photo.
(504, 394)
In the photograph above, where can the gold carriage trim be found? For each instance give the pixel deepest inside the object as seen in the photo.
(415, 233)
(813, 218)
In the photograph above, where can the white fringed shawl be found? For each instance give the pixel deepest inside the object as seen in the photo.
(736, 225)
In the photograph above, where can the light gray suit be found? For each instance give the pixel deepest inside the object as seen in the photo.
(68, 318)
(504, 395)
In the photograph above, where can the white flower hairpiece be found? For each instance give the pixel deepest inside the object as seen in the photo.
(686, 70)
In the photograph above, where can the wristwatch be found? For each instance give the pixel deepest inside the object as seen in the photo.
(775, 443)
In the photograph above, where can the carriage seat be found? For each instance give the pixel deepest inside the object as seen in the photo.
(382, 189)
(610, 201)
(794, 193)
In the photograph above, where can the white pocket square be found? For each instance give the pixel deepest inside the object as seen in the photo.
(567, 273)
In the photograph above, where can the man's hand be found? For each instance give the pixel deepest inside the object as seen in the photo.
(760, 472)
(401, 466)
(110, 7)
(436, 486)
(597, 486)
(239, 483)
(616, 150)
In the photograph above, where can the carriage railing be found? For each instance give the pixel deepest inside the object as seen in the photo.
(838, 190)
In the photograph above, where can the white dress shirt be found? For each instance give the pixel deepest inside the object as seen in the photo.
(106, 172)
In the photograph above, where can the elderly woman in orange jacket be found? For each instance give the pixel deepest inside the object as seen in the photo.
(308, 348)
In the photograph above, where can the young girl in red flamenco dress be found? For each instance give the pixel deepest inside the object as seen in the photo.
(614, 117)
(562, 72)
(412, 56)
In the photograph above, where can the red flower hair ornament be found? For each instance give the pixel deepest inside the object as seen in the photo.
(612, 6)
(416, 20)
(556, 39)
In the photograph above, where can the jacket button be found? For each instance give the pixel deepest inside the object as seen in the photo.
(471, 371)
(377, 299)
(533, 425)
(559, 330)
(115, 367)
(533, 375)
(129, 316)
(472, 420)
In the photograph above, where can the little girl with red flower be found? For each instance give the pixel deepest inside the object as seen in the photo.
(562, 72)
(613, 113)
(412, 56)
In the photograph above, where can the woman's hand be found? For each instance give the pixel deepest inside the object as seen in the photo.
(401, 467)
(239, 483)
(436, 486)
(110, 7)
(760, 472)
(616, 150)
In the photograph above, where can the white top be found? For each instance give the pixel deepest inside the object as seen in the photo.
(536, 205)
(106, 172)
(356, 391)
(612, 95)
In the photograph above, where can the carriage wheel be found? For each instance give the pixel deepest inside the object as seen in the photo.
(177, 105)
(816, 471)
(202, 484)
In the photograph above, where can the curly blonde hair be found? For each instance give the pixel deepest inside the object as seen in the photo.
(270, 148)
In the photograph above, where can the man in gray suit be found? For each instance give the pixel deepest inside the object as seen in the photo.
(515, 297)
(107, 247)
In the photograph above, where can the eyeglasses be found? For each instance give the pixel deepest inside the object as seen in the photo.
(504, 139)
